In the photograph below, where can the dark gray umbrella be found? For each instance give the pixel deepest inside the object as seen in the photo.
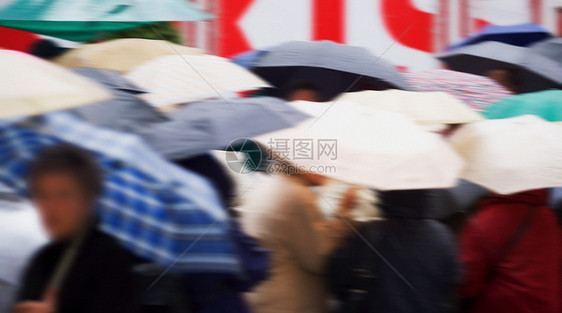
(534, 71)
(550, 48)
(333, 67)
(215, 124)
(556, 199)
(125, 111)
(461, 198)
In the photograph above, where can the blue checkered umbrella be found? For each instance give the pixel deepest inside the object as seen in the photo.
(158, 211)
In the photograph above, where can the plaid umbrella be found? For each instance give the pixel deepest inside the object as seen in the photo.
(159, 212)
(476, 91)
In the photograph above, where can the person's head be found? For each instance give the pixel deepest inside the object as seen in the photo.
(505, 77)
(303, 91)
(450, 130)
(64, 182)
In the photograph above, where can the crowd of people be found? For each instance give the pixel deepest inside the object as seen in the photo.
(307, 243)
(405, 259)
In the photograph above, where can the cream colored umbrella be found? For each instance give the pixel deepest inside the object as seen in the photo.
(377, 149)
(428, 108)
(177, 79)
(511, 155)
(31, 86)
(121, 55)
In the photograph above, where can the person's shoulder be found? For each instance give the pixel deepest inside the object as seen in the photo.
(44, 251)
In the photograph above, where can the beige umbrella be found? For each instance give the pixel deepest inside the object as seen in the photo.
(511, 155)
(177, 79)
(428, 108)
(377, 149)
(31, 86)
(121, 55)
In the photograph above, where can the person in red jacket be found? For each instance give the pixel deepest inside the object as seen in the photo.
(511, 253)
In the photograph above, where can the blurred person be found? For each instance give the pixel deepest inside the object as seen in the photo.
(405, 263)
(505, 77)
(304, 91)
(81, 269)
(331, 193)
(215, 292)
(284, 215)
(454, 206)
(450, 130)
(511, 255)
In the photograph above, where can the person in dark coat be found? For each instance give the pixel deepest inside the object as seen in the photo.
(511, 252)
(213, 292)
(405, 263)
(81, 270)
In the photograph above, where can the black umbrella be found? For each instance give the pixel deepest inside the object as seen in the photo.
(551, 48)
(534, 71)
(461, 198)
(333, 68)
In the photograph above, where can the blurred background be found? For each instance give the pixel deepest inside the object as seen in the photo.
(243, 25)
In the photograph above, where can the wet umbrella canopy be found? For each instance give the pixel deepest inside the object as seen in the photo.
(550, 48)
(202, 126)
(125, 111)
(519, 35)
(333, 68)
(534, 71)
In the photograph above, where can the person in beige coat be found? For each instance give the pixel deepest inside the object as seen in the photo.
(284, 216)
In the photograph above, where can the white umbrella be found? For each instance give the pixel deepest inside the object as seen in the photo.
(421, 107)
(121, 55)
(378, 149)
(21, 235)
(31, 86)
(177, 79)
(511, 155)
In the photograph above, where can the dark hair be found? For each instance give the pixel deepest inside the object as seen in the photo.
(46, 49)
(70, 159)
(208, 167)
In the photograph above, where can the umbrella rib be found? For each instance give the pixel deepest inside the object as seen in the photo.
(366, 241)
(363, 75)
(198, 73)
(184, 252)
